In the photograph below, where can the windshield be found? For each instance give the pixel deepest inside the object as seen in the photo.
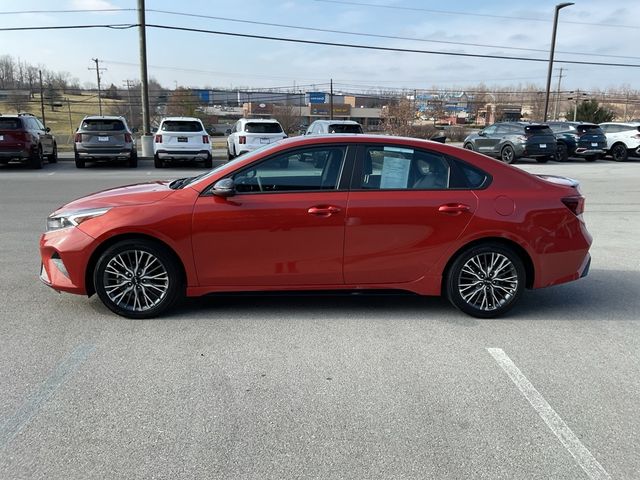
(181, 126)
(263, 128)
(344, 128)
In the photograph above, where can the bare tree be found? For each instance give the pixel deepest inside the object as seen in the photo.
(289, 117)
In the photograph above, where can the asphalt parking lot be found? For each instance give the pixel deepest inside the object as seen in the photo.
(326, 387)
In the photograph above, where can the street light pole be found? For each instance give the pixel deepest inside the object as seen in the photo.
(553, 48)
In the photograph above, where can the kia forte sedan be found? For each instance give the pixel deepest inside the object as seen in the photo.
(372, 213)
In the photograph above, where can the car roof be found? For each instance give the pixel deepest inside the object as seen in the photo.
(177, 119)
(103, 117)
(345, 122)
(627, 124)
(261, 120)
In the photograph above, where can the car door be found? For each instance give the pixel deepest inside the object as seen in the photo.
(485, 140)
(404, 210)
(46, 139)
(283, 227)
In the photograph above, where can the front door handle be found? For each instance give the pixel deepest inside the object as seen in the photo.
(454, 208)
(323, 211)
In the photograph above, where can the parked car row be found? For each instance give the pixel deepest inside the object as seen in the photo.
(510, 141)
(24, 138)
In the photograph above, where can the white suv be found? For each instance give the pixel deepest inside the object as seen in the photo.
(623, 139)
(251, 133)
(324, 127)
(181, 138)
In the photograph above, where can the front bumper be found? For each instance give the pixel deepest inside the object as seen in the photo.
(64, 255)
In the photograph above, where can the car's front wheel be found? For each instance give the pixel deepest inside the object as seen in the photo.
(468, 146)
(486, 281)
(138, 279)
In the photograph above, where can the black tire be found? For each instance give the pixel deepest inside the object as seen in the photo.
(619, 152)
(473, 288)
(157, 161)
(133, 159)
(469, 146)
(230, 156)
(160, 287)
(562, 152)
(208, 163)
(36, 159)
(53, 158)
(508, 154)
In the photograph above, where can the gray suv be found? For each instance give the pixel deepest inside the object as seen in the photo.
(510, 141)
(104, 138)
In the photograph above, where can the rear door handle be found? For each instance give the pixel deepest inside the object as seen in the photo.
(323, 211)
(454, 208)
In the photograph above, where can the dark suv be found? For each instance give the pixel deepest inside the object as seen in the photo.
(579, 139)
(510, 141)
(24, 138)
(104, 138)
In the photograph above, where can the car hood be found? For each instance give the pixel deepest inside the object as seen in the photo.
(139, 194)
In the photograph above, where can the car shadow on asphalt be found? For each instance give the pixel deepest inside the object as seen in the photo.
(603, 295)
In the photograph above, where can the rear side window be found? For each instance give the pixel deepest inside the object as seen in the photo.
(181, 126)
(470, 176)
(263, 128)
(102, 125)
(344, 128)
(10, 124)
(538, 130)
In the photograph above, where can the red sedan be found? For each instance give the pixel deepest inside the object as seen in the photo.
(325, 213)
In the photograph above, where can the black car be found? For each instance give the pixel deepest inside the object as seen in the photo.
(24, 138)
(510, 141)
(580, 139)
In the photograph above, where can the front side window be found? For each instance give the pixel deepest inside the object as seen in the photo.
(300, 170)
(490, 130)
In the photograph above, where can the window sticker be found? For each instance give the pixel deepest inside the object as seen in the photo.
(395, 172)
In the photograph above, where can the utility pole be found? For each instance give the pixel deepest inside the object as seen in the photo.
(147, 139)
(128, 84)
(98, 69)
(555, 110)
(553, 48)
(70, 120)
(44, 122)
(626, 103)
(331, 101)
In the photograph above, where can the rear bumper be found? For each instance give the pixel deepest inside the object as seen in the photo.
(589, 151)
(103, 153)
(183, 154)
(8, 154)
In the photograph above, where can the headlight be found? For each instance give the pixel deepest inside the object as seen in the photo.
(73, 219)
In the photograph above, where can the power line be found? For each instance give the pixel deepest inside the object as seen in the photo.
(386, 49)
(487, 15)
(115, 26)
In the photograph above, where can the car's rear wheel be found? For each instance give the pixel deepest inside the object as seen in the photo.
(508, 154)
(80, 163)
(138, 279)
(36, 158)
(486, 281)
(562, 153)
(230, 156)
(469, 146)
(53, 158)
(133, 159)
(619, 152)
(157, 161)
(208, 162)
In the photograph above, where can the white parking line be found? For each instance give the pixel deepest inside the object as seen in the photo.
(52, 173)
(589, 464)
(12, 425)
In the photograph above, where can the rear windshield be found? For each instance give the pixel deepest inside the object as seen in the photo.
(590, 129)
(10, 124)
(181, 126)
(538, 130)
(263, 128)
(345, 128)
(102, 125)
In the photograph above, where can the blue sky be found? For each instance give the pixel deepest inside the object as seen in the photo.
(199, 60)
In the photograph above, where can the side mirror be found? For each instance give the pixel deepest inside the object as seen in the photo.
(224, 188)
(47, 129)
(481, 133)
(134, 130)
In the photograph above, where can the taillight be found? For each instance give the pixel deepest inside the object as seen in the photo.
(21, 136)
(242, 140)
(158, 138)
(575, 204)
(205, 138)
(78, 138)
(127, 138)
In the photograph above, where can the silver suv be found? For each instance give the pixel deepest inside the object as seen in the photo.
(104, 138)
